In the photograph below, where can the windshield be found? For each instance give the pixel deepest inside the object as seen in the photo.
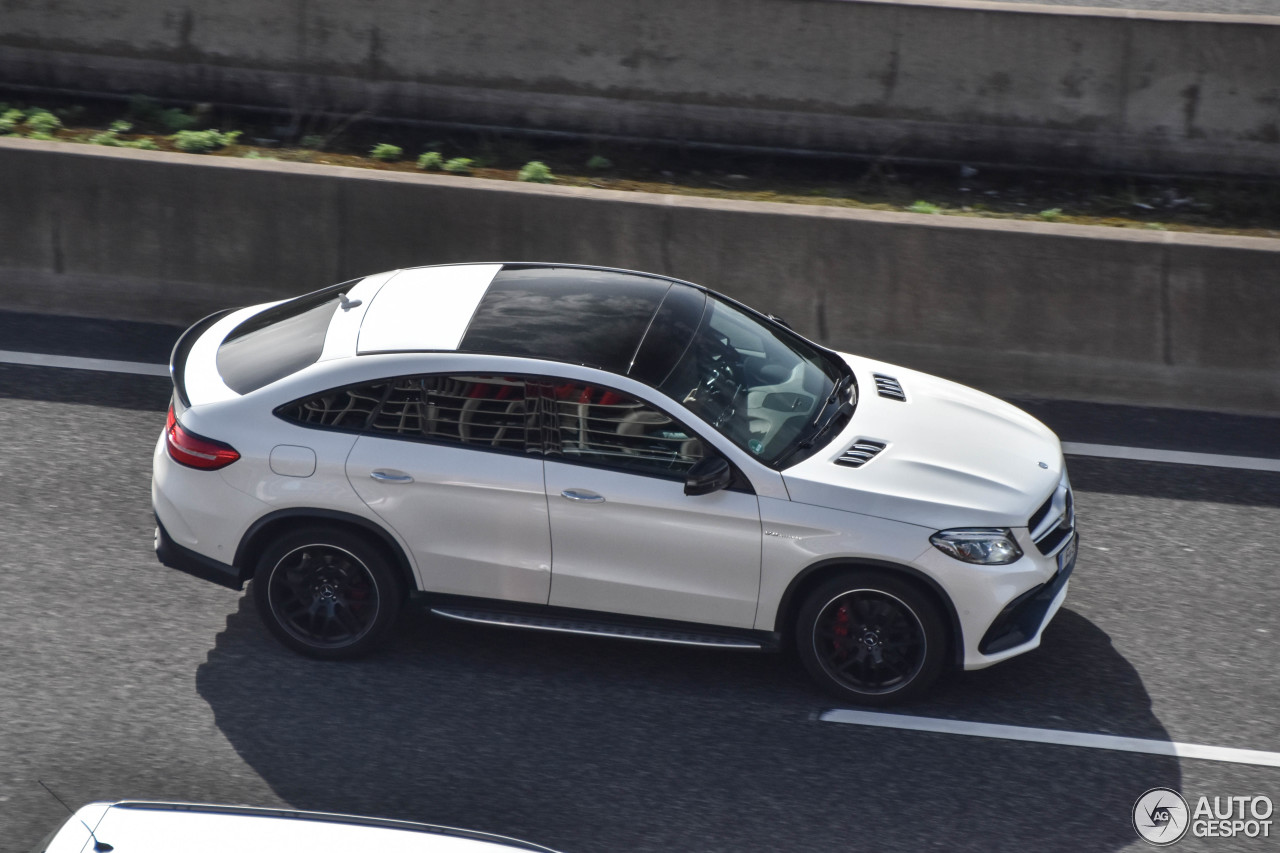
(767, 390)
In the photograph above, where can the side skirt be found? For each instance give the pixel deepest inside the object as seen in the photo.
(565, 621)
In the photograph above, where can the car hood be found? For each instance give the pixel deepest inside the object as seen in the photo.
(953, 456)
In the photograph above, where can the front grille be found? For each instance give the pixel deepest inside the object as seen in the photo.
(1039, 515)
(889, 387)
(1052, 524)
(860, 453)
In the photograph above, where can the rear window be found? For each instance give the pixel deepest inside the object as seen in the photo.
(279, 341)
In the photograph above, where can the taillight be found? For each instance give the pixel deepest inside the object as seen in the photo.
(193, 451)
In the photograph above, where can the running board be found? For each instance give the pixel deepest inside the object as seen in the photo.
(568, 625)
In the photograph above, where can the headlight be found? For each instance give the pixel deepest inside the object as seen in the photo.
(988, 546)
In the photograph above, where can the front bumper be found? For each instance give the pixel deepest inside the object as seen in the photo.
(986, 600)
(1018, 626)
(1024, 618)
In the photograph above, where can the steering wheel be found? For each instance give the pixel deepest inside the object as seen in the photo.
(722, 373)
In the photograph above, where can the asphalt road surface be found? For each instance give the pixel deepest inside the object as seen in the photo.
(123, 679)
(1216, 7)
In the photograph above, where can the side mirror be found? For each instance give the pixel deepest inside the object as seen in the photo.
(708, 475)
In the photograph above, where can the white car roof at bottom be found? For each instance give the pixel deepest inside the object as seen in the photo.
(163, 827)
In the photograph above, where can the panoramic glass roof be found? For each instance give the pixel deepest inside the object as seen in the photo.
(582, 316)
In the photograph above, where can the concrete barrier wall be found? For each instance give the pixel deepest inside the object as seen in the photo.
(1065, 311)
(975, 81)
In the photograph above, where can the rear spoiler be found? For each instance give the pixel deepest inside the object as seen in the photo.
(182, 349)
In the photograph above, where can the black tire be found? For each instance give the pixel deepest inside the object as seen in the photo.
(327, 594)
(870, 638)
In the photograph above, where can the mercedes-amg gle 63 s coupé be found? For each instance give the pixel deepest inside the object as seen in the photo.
(598, 451)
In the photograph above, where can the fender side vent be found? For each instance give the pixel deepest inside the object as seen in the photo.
(860, 453)
(889, 387)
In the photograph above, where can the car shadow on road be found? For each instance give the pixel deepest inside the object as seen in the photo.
(597, 745)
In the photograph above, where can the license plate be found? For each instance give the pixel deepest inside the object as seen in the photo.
(1067, 556)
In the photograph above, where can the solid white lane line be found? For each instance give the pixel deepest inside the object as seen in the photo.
(1055, 737)
(39, 359)
(1178, 457)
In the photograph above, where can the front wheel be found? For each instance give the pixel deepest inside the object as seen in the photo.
(326, 593)
(871, 638)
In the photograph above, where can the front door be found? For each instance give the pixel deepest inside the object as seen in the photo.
(625, 537)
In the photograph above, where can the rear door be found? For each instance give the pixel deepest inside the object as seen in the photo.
(444, 462)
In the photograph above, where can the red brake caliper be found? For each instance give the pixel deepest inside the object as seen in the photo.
(357, 596)
(841, 631)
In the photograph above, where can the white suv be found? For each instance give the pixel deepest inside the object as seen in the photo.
(135, 826)
(606, 452)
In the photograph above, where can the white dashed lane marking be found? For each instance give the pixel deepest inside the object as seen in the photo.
(1177, 457)
(1054, 737)
(106, 365)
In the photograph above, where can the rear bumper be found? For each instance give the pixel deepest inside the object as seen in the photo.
(175, 556)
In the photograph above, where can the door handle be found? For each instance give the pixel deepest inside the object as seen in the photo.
(390, 476)
(582, 495)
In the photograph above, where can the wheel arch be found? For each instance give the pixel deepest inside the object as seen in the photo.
(815, 575)
(272, 525)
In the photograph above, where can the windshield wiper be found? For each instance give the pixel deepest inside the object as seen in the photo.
(831, 420)
(819, 425)
(842, 385)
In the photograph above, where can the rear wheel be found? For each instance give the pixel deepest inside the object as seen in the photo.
(327, 593)
(871, 638)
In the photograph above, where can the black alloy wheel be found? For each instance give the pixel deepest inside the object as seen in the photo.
(326, 593)
(871, 638)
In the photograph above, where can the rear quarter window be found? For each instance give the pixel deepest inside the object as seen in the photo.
(482, 411)
(279, 341)
(346, 409)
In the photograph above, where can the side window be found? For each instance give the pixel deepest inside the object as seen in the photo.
(475, 410)
(340, 409)
(599, 426)
(481, 411)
